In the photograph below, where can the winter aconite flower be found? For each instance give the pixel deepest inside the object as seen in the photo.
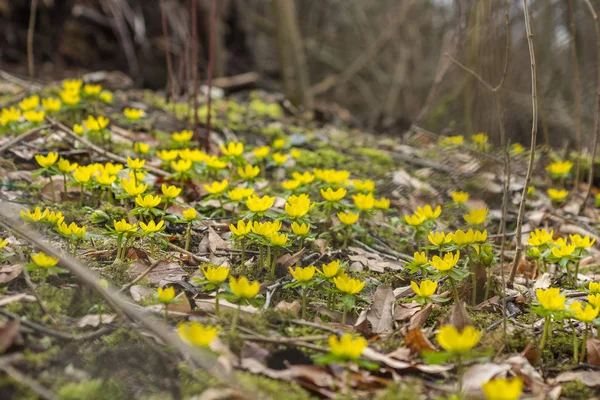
(333, 195)
(29, 103)
(232, 149)
(240, 193)
(364, 202)
(300, 229)
(348, 218)
(331, 270)
(34, 116)
(44, 261)
(242, 229)
(167, 295)
(425, 289)
(559, 168)
(217, 187)
(279, 158)
(551, 299)
(415, 219)
(503, 389)
(51, 104)
(557, 195)
(540, 237)
(476, 216)
(594, 288)
(170, 192)
(453, 341)
(46, 161)
(152, 227)
(244, 289)
(446, 263)
(196, 334)
(582, 242)
(248, 172)
(583, 313)
(347, 348)
(133, 114)
(190, 214)
(459, 197)
(382, 203)
(303, 274)
(365, 186)
(429, 213)
(348, 285)
(439, 239)
(260, 204)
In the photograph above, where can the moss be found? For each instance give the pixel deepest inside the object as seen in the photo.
(39, 360)
(374, 155)
(265, 387)
(322, 158)
(15, 390)
(406, 390)
(92, 389)
(576, 390)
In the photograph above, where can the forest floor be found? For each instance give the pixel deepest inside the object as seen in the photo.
(125, 199)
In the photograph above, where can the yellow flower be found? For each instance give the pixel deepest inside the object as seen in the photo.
(196, 334)
(297, 206)
(420, 258)
(96, 124)
(51, 104)
(440, 238)
(587, 314)
(382, 204)
(92, 90)
(446, 263)
(232, 149)
(476, 216)
(557, 195)
(248, 172)
(582, 242)
(428, 212)
(65, 166)
(240, 193)
(34, 116)
(215, 275)
(503, 389)
(72, 85)
(52, 217)
(215, 163)
(290, 184)
(303, 274)
(333, 195)
(167, 155)
(459, 197)
(295, 153)
(193, 155)
(332, 176)
(457, 140)
(517, 148)
(190, 214)
(364, 201)
(414, 220)
(463, 238)
(266, 229)
(594, 287)
(131, 188)
(82, 175)
(46, 161)
(44, 261)
(278, 239)
(35, 216)
(3, 243)
(244, 289)
(304, 178)
(279, 143)
(242, 229)
(261, 152)
(152, 227)
(347, 348)
(480, 138)
(259, 204)
(78, 129)
(133, 114)
(330, 270)
(559, 168)
(551, 299)
(181, 165)
(69, 98)
(594, 300)
(148, 201)
(425, 289)
(141, 148)
(135, 163)
(453, 341)
(348, 218)
(300, 229)
(563, 251)
(540, 237)
(166, 295)
(170, 192)
(29, 103)
(71, 230)
(123, 226)
(279, 158)
(112, 169)
(106, 97)
(363, 186)
(8, 115)
(182, 137)
(348, 285)
(217, 187)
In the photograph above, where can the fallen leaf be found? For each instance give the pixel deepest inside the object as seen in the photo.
(289, 260)
(588, 378)
(479, 374)
(4, 300)
(292, 308)
(543, 282)
(208, 306)
(215, 242)
(459, 317)
(166, 269)
(406, 310)
(401, 353)
(380, 313)
(317, 375)
(141, 293)
(417, 342)
(94, 320)
(593, 352)
(220, 394)
(181, 304)
(419, 319)
(8, 333)
(10, 272)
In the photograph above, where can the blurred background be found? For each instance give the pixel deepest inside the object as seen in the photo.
(384, 61)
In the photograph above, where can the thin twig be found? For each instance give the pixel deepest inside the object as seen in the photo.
(140, 276)
(285, 341)
(22, 137)
(337, 332)
(30, 36)
(534, 126)
(597, 116)
(36, 295)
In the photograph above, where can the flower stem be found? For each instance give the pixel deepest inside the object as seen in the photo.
(236, 317)
(344, 314)
(459, 369)
(243, 255)
(188, 236)
(346, 237)
(575, 344)
(456, 298)
(488, 283)
(81, 196)
(304, 290)
(52, 189)
(545, 333)
(584, 343)
(166, 314)
(217, 302)
(576, 273)
(269, 260)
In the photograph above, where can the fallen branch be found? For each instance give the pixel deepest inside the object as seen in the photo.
(22, 137)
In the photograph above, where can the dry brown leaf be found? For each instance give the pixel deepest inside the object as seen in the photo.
(404, 311)
(208, 306)
(380, 314)
(215, 242)
(316, 375)
(417, 320)
(417, 342)
(8, 334)
(593, 352)
(459, 317)
(141, 293)
(402, 354)
(373, 261)
(479, 374)
(292, 308)
(289, 260)
(588, 378)
(166, 270)
(4, 300)
(181, 304)
(10, 272)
